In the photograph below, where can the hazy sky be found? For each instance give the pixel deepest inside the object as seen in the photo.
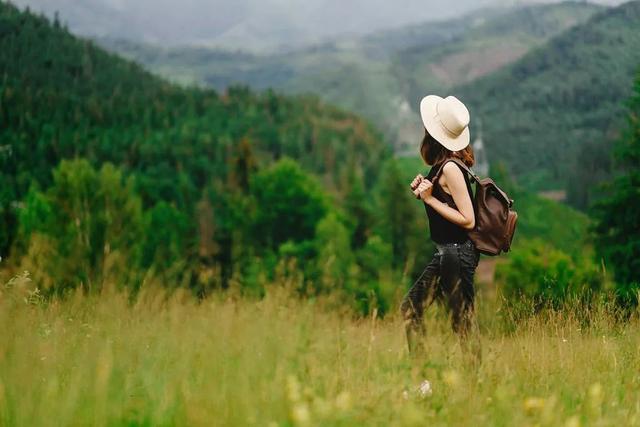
(248, 24)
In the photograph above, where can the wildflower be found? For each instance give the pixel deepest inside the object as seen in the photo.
(425, 390)
(595, 396)
(574, 421)
(595, 392)
(343, 401)
(533, 404)
(293, 389)
(451, 378)
(300, 414)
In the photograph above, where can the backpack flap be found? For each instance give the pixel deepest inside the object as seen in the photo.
(495, 221)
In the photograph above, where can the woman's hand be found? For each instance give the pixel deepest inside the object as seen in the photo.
(417, 180)
(423, 190)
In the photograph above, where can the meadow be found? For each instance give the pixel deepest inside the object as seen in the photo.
(187, 257)
(161, 359)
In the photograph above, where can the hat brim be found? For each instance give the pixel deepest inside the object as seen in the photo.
(429, 114)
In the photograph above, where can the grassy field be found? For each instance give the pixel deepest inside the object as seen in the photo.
(281, 361)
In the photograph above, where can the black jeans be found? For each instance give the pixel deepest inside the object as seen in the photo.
(448, 277)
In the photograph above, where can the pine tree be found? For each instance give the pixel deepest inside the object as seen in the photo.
(617, 215)
(394, 211)
(358, 205)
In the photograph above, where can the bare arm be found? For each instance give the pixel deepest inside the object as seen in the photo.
(463, 217)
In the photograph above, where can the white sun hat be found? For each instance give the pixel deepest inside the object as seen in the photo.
(447, 120)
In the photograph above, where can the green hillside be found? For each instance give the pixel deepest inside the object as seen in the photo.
(354, 74)
(551, 115)
(488, 45)
(64, 98)
(114, 177)
(378, 76)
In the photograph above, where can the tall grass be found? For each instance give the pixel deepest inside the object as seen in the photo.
(227, 360)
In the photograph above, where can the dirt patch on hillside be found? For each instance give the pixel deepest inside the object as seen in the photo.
(466, 66)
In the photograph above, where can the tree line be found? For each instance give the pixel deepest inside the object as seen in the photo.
(111, 176)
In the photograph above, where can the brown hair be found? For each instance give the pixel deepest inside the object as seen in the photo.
(433, 152)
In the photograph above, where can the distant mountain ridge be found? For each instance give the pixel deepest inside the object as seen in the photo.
(551, 115)
(252, 25)
(493, 42)
(377, 75)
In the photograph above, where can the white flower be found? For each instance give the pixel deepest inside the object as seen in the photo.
(425, 389)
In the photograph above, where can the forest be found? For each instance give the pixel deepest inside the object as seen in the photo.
(545, 82)
(561, 105)
(98, 153)
(114, 176)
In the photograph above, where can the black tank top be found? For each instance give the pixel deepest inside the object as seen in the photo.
(442, 230)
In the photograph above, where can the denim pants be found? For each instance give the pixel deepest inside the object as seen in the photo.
(449, 278)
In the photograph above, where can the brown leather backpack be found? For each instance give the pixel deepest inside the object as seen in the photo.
(495, 220)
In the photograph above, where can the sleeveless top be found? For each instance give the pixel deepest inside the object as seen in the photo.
(442, 230)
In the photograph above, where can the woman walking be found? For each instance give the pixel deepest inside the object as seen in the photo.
(447, 197)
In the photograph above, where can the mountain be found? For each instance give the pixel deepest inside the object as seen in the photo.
(377, 75)
(551, 115)
(252, 25)
(62, 98)
(114, 177)
(491, 43)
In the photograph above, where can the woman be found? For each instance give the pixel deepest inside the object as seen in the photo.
(448, 203)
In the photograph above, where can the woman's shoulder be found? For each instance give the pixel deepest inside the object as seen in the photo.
(452, 168)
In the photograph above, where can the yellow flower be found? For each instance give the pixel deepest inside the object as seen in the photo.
(451, 378)
(293, 389)
(595, 395)
(343, 401)
(574, 421)
(300, 414)
(533, 404)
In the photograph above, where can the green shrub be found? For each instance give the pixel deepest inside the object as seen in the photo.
(546, 275)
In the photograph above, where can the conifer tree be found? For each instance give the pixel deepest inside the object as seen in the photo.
(396, 216)
(618, 213)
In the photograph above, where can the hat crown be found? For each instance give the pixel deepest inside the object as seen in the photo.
(453, 115)
(446, 120)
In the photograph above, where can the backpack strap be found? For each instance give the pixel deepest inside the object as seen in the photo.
(459, 162)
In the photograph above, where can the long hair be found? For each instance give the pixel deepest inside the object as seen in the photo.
(432, 152)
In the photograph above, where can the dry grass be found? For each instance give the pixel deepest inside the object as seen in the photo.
(281, 361)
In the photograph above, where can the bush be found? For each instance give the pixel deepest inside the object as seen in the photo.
(82, 229)
(290, 204)
(546, 275)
